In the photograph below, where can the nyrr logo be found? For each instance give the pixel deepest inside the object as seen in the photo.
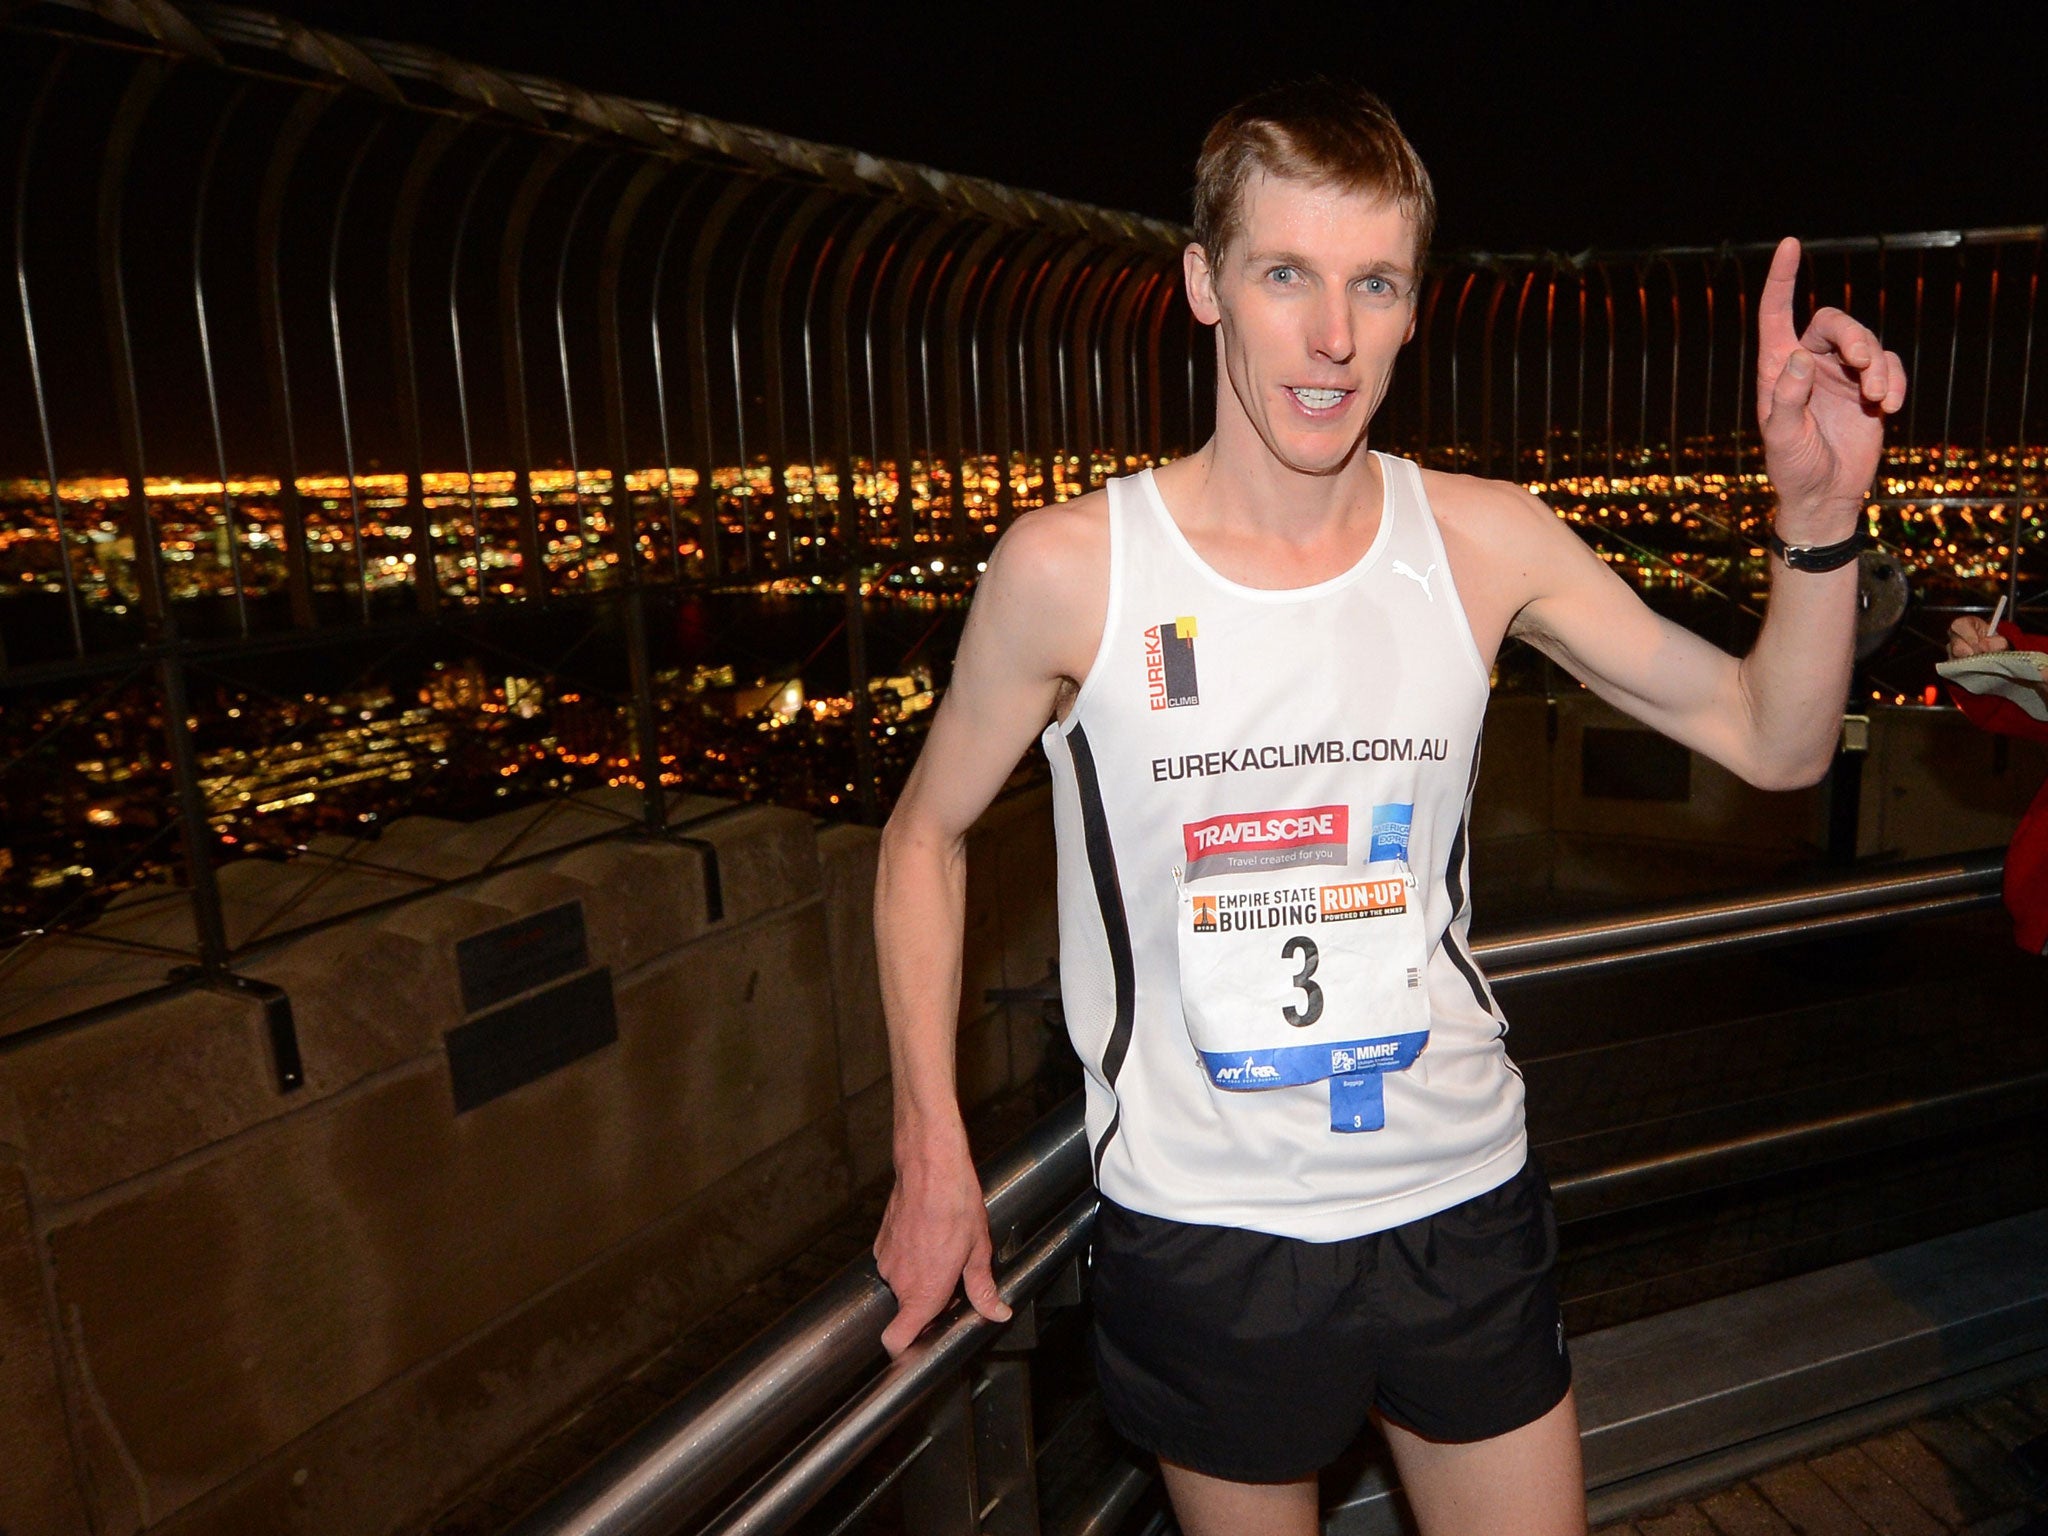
(1170, 664)
(1205, 914)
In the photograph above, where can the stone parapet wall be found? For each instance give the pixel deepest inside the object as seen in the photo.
(226, 1307)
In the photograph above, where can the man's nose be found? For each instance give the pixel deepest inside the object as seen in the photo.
(1331, 336)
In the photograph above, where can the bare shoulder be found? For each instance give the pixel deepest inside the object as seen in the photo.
(1495, 516)
(1507, 550)
(1047, 584)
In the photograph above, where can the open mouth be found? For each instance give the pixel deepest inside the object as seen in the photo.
(1318, 399)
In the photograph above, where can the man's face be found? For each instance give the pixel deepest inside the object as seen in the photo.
(1311, 300)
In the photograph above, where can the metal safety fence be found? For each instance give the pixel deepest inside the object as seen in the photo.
(386, 436)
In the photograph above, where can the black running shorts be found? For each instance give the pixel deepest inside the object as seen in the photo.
(1259, 1358)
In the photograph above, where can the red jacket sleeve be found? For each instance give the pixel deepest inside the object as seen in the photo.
(2002, 715)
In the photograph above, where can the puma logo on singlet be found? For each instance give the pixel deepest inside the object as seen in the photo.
(1420, 578)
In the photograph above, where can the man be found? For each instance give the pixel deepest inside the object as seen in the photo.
(1260, 674)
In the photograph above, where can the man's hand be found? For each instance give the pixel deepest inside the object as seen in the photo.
(1971, 636)
(1821, 400)
(935, 1235)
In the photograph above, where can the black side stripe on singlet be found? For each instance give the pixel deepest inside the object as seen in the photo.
(1454, 882)
(1116, 928)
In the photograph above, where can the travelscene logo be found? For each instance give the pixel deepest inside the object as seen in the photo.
(1300, 754)
(1390, 824)
(1320, 834)
(1365, 898)
(1170, 664)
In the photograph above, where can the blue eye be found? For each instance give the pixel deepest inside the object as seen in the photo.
(1283, 274)
(1378, 286)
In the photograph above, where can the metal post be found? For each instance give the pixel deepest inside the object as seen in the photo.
(72, 607)
(284, 154)
(162, 628)
(419, 171)
(696, 333)
(533, 572)
(626, 533)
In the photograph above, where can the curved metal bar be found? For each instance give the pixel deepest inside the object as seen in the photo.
(1710, 271)
(419, 171)
(72, 607)
(660, 356)
(1913, 368)
(1084, 359)
(1990, 352)
(873, 294)
(1607, 300)
(143, 86)
(1741, 358)
(1955, 337)
(200, 197)
(908, 279)
(774, 306)
(533, 566)
(1549, 371)
(739, 391)
(1425, 337)
(852, 256)
(1457, 335)
(1500, 289)
(1515, 377)
(562, 354)
(1035, 353)
(612, 353)
(1676, 332)
(937, 451)
(2027, 351)
(969, 271)
(1579, 382)
(476, 521)
(696, 339)
(1643, 383)
(1124, 403)
(348, 431)
(284, 155)
(1030, 267)
(827, 249)
(1155, 388)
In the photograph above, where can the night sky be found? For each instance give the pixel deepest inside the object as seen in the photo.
(1544, 126)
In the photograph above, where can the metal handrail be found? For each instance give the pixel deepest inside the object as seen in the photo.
(677, 1464)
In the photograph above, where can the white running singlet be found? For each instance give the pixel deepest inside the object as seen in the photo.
(1261, 801)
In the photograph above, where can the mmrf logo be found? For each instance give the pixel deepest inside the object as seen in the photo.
(1170, 664)
(1205, 914)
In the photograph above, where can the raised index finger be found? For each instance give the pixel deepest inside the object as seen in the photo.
(1775, 334)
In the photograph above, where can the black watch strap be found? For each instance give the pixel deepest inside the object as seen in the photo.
(1818, 557)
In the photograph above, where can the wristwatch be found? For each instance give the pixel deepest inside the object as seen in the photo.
(1818, 557)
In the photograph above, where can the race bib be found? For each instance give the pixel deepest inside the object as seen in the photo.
(1304, 972)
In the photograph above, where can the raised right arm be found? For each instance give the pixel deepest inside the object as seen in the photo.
(1030, 636)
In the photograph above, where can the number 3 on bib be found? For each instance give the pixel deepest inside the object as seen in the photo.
(1304, 947)
(1344, 1004)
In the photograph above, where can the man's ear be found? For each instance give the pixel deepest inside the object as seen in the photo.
(1201, 284)
(1414, 310)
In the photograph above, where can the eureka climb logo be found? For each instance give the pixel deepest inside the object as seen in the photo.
(1170, 664)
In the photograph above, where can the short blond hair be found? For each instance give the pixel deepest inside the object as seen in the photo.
(1320, 131)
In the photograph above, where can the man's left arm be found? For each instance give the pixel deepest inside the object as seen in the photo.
(1772, 716)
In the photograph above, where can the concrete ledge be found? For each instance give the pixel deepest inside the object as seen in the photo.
(1665, 1403)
